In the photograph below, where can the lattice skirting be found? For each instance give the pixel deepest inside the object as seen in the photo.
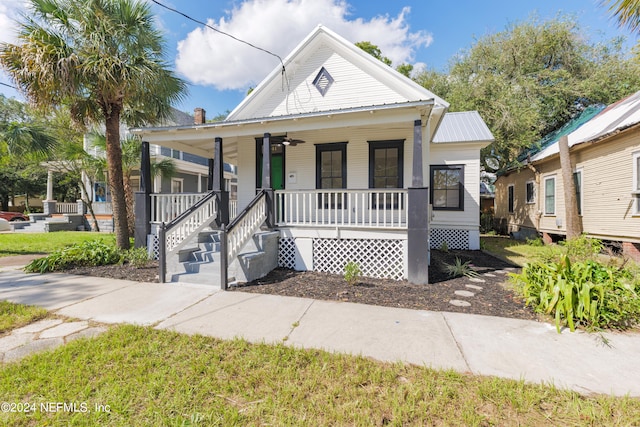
(376, 257)
(287, 253)
(153, 246)
(455, 239)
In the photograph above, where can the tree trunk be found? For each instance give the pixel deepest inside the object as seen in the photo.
(129, 198)
(89, 204)
(114, 166)
(573, 224)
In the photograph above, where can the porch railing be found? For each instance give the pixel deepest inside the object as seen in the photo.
(66, 208)
(166, 207)
(376, 208)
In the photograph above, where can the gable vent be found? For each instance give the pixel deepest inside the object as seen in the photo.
(323, 81)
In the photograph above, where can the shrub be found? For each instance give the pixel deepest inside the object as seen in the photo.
(583, 248)
(585, 293)
(444, 247)
(460, 269)
(138, 257)
(352, 272)
(89, 253)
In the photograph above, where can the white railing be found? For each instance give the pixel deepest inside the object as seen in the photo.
(241, 231)
(67, 208)
(233, 209)
(166, 207)
(377, 208)
(177, 234)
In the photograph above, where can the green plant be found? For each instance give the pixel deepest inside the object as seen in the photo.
(138, 257)
(583, 248)
(352, 272)
(444, 247)
(460, 269)
(537, 242)
(90, 253)
(586, 293)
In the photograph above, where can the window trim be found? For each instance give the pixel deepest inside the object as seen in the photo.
(331, 146)
(461, 188)
(635, 185)
(579, 194)
(511, 195)
(394, 143)
(531, 201)
(555, 193)
(177, 180)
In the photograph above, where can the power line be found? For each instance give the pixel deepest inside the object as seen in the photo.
(221, 32)
(12, 87)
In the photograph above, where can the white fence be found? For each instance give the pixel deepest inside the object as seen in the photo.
(166, 207)
(376, 208)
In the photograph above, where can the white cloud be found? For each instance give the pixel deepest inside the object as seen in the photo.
(209, 58)
(9, 12)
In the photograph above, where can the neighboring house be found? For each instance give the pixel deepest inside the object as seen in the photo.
(348, 137)
(605, 153)
(191, 177)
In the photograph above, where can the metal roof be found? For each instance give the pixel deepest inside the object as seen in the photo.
(614, 118)
(466, 126)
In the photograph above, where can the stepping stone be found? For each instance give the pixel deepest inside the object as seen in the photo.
(64, 329)
(475, 287)
(476, 279)
(459, 303)
(467, 294)
(489, 275)
(501, 271)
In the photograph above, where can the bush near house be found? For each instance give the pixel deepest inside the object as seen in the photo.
(580, 291)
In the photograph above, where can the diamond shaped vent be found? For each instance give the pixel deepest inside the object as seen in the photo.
(323, 81)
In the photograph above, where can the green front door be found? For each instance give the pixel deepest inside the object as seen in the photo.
(277, 165)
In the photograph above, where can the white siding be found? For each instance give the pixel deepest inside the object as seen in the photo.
(352, 87)
(468, 156)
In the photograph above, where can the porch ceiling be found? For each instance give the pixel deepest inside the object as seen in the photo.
(199, 139)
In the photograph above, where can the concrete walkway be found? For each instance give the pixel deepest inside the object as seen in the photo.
(483, 345)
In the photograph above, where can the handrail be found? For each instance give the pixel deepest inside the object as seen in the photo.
(174, 222)
(240, 230)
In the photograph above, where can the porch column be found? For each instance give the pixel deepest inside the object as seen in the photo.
(218, 183)
(418, 216)
(142, 206)
(49, 205)
(266, 177)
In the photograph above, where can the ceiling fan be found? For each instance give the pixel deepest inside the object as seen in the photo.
(292, 142)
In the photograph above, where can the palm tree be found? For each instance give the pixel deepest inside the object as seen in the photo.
(131, 153)
(627, 12)
(104, 60)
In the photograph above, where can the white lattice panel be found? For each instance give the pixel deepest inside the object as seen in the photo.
(287, 253)
(153, 246)
(455, 239)
(375, 257)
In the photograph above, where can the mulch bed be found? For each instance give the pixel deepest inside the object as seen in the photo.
(494, 299)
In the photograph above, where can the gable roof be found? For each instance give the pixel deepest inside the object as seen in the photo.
(612, 119)
(357, 80)
(466, 126)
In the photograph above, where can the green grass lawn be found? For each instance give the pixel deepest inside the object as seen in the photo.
(515, 251)
(16, 315)
(142, 376)
(44, 243)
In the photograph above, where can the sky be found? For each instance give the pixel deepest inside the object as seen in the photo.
(219, 70)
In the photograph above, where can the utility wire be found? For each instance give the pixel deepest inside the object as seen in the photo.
(221, 32)
(12, 87)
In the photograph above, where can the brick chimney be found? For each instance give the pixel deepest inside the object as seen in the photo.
(199, 116)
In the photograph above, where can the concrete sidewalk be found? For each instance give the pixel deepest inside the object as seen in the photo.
(483, 345)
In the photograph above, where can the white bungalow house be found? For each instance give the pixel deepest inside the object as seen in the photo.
(339, 158)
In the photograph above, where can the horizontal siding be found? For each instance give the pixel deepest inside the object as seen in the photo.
(607, 203)
(469, 157)
(352, 87)
(524, 214)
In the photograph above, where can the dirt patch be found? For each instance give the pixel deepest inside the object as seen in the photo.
(491, 296)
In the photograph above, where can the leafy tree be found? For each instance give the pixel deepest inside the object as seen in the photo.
(104, 60)
(374, 51)
(531, 78)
